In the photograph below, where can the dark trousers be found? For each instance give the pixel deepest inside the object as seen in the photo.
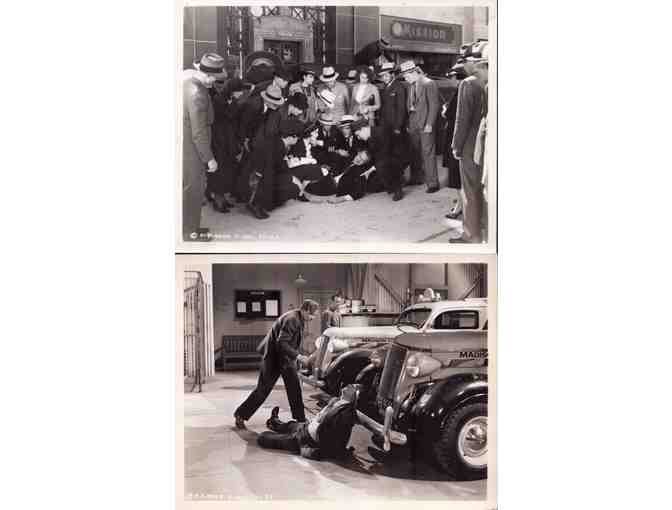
(268, 376)
(390, 163)
(192, 200)
(283, 437)
(472, 198)
(423, 157)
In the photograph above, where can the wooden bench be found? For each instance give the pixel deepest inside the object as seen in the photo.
(239, 351)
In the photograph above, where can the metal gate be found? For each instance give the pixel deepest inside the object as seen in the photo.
(199, 354)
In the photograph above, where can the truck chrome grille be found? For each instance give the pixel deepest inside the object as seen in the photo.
(317, 367)
(394, 363)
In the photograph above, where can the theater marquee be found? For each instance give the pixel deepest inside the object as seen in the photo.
(413, 35)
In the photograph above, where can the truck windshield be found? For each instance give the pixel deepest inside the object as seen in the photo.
(415, 317)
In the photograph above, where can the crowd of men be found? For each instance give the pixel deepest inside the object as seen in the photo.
(322, 139)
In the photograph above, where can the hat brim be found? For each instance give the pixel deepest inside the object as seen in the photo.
(410, 70)
(270, 100)
(327, 80)
(327, 122)
(218, 76)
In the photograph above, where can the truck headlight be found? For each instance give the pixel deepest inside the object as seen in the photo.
(420, 365)
(337, 345)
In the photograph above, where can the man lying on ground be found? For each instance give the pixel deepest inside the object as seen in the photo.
(324, 436)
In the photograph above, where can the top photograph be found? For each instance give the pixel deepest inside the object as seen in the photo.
(337, 128)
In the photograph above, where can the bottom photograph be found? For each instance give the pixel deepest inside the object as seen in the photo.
(335, 380)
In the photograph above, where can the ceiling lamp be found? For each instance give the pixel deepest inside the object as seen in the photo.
(300, 280)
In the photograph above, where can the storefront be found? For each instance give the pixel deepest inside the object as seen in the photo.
(435, 46)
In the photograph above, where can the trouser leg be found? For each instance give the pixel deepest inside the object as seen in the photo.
(428, 147)
(472, 198)
(267, 378)
(294, 395)
(277, 441)
(415, 147)
(192, 201)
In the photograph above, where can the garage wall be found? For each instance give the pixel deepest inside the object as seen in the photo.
(227, 278)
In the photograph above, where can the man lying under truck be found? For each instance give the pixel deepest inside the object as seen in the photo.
(324, 436)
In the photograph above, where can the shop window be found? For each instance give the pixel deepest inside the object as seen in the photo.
(287, 51)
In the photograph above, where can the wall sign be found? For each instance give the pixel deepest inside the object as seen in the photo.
(402, 31)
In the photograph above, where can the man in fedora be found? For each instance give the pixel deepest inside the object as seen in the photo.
(470, 98)
(197, 155)
(280, 357)
(393, 112)
(340, 104)
(305, 86)
(292, 108)
(253, 111)
(423, 109)
(268, 161)
(388, 166)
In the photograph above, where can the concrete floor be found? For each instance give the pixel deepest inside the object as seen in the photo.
(224, 463)
(419, 217)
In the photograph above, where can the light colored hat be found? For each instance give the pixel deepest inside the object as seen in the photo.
(387, 67)
(327, 119)
(273, 95)
(212, 64)
(327, 96)
(352, 74)
(407, 67)
(328, 74)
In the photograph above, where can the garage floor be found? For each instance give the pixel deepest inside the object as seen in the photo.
(223, 463)
(419, 217)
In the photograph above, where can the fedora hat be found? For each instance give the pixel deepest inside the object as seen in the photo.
(212, 64)
(346, 120)
(327, 119)
(283, 73)
(352, 74)
(327, 96)
(387, 67)
(299, 101)
(407, 67)
(272, 95)
(328, 74)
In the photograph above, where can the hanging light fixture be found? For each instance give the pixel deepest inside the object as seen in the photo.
(300, 280)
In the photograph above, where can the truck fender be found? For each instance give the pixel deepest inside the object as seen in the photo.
(346, 368)
(441, 398)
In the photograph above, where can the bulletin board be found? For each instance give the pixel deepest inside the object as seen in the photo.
(256, 304)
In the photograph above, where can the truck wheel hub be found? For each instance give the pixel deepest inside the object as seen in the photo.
(472, 442)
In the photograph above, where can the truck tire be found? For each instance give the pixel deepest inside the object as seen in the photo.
(462, 447)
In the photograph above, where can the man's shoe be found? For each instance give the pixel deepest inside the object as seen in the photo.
(220, 207)
(302, 198)
(275, 412)
(240, 422)
(398, 195)
(258, 212)
(462, 240)
(432, 189)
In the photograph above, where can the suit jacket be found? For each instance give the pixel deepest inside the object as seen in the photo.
(310, 115)
(393, 112)
(468, 116)
(341, 103)
(251, 116)
(284, 339)
(424, 106)
(198, 116)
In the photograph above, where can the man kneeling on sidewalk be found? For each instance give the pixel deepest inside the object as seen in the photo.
(325, 436)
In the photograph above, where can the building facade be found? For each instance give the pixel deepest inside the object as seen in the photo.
(432, 36)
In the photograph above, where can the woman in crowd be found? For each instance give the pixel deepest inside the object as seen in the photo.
(365, 100)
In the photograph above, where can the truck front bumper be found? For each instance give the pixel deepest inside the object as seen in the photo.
(384, 431)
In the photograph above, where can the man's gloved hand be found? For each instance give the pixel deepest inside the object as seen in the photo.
(212, 166)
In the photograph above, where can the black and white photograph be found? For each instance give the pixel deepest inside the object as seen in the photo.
(336, 381)
(351, 125)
